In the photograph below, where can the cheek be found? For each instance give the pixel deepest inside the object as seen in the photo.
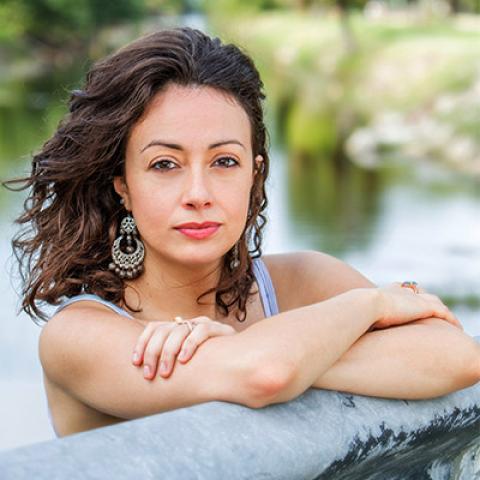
(151, 209)
(234, 197)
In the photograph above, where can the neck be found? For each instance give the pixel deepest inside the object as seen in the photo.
(166, 290)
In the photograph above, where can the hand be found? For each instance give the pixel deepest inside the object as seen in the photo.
(167, 337)
(402, 305)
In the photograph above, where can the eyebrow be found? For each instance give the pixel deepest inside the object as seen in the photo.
(176, 146)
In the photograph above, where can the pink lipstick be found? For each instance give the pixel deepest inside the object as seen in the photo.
(198, 230)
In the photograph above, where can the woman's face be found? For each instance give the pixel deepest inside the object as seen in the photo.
(205, 173)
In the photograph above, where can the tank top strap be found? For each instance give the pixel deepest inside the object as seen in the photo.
(94, 298)
(265, 285)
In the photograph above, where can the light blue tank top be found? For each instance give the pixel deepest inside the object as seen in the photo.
(262, 277)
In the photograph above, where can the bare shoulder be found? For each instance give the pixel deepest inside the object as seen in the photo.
(309, 276)
(68, 336)
(86, 350)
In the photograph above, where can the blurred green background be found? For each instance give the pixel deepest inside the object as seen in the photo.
(373, 110)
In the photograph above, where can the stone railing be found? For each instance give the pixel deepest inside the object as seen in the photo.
(319, 435)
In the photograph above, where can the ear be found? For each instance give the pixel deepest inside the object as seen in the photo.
(121, 188)
(257, 165)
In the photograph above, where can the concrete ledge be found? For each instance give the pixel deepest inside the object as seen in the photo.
(320, 435)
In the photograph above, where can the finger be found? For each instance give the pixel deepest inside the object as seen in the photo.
(457, 322)
(453, 320)
(451, 317)
(171, 347)
(443, 312)
(202, 319)
(448, 314)
(142, 341)
(197, 336)
(144, 338)
(448, 317)
(154, 350)
(224, 329)
(454, 323)
(201, 333)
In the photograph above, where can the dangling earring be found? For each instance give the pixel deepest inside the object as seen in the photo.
(235, 262)
(127, 264)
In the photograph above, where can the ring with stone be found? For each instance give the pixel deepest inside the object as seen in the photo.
(410, 284)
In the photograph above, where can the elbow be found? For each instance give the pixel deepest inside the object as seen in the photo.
(460, 361)
(469, 371)
(268, 385)
(474, 369)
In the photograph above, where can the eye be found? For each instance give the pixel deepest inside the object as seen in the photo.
(161, 165)
(227, 158)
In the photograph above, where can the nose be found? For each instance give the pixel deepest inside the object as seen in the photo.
(197, 193)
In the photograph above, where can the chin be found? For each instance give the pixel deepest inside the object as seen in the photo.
(199, 259)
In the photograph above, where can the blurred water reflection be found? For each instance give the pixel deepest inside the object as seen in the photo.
(392, 224)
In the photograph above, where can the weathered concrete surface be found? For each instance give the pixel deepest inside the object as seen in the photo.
(319, 435)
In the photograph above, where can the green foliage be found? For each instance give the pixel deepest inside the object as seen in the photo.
(472, 6)
(63, 24)
(343, 4)
(235, 7)
(59, 23)
(229, 7)
(311, 130)
(325, 91)
(173, 6)
(11, 21)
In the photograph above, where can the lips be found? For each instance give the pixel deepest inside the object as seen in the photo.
(195, 225)
(198, 231)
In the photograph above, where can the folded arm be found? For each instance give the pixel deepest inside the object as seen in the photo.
(423, 359)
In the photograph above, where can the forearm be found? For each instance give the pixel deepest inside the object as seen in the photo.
(302, 344)
(411, 361)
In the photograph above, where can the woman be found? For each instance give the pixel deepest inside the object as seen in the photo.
(150, 197)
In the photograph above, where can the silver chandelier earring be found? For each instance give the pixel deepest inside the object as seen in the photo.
(128, 264)
(235, 262)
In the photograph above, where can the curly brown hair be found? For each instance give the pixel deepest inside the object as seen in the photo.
(71, 215)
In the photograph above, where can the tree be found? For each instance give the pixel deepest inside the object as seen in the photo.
(68, 23)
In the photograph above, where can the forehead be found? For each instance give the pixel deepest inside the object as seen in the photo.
(192, 115)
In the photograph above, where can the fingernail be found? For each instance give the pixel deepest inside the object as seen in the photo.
(182, 355)
(163, 366)
(146, 370)
(135, 357)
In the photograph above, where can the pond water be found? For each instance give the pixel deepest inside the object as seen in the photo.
(400, 222)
